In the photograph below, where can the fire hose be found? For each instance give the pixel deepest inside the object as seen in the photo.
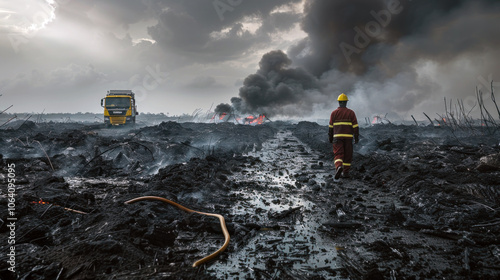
(221, 219)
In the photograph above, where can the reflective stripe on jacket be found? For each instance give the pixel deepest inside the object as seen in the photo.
(343, 123)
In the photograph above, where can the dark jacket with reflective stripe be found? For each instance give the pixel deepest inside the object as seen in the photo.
(343, 124)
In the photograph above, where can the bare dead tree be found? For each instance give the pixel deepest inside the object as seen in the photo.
(386, 119)
(487, 119)
(29, 117)
(6, 109)
(209, 111)
(494, 101)
(233, 115)
(48, 158)
(195, 114)
(39, 117)
(14, 117)
(428, 119)
(465, 116)
(450, 116)
(416, 123)
(438, 121)
(457, 117)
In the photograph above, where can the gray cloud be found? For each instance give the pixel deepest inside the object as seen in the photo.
(107, 14)
(426, 51)
(194, 28)
(68, 77)
(203, 82)
(25, 16)
(113, 36)
(79, 87)
(279, 21)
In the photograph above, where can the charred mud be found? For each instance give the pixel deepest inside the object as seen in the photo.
(421, 202)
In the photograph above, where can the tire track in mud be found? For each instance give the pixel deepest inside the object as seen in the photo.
(287, 241)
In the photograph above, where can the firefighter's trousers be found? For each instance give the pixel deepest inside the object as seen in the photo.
(342, 150)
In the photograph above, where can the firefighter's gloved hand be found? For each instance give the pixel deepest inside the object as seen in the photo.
(330, 139)
(356, 140)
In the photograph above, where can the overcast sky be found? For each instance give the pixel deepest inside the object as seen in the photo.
(279, 57)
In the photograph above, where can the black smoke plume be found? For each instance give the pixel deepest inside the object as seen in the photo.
(223, 108)
(373, 27)
(276, 89)
(389, 55)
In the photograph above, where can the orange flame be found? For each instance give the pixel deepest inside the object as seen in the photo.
(40, 202)
(255, 120)
(222, 116)
(260, 119)
(65, 208)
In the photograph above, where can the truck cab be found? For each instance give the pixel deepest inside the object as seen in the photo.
(119, 107)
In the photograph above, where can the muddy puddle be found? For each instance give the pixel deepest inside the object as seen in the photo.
(295, 244)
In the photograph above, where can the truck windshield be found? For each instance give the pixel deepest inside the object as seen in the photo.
(117, 102)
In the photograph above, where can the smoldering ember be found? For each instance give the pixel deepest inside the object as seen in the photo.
(422, 202)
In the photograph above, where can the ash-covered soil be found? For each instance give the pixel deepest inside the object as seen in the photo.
(422, 203)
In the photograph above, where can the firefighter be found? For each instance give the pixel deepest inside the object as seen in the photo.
(343, 128)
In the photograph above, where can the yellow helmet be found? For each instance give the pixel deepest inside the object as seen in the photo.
(342, 97)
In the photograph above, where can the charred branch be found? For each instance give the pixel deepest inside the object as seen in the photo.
(39, 118)
(146, 147)
(29, 117)
(494, 101)
(48, 158)
(354, 269)
(6, 109)
(486, 118)
(428, 118)
(9, 120)
(100, 154)
(466, 259)
(416, 123)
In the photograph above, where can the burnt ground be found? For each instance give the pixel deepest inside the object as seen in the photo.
(422, 203)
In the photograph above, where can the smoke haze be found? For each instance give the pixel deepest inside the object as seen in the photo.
(389, 56)
(288, 58)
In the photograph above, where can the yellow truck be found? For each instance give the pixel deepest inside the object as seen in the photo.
(119, 107)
